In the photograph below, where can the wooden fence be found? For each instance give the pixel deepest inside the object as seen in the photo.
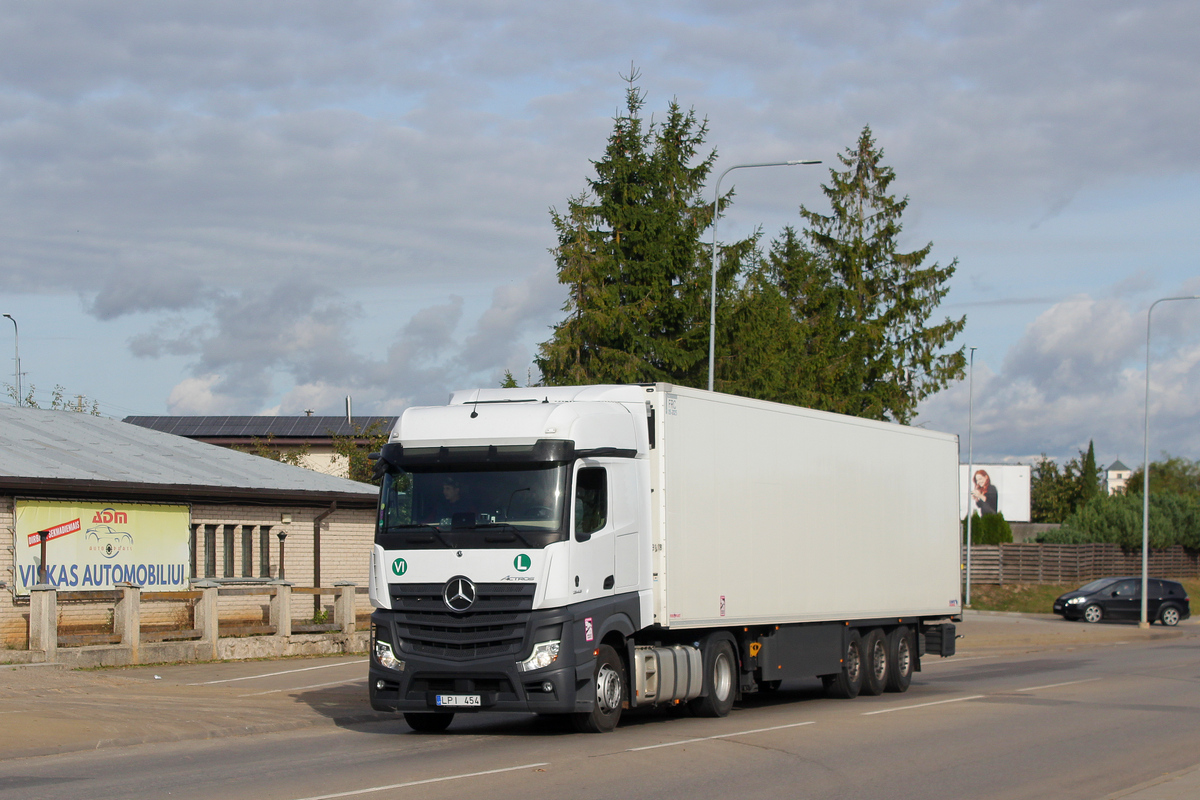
(1072, 563)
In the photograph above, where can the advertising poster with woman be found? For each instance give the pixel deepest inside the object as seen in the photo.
(994, 489)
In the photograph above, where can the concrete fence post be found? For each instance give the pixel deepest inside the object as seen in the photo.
(281, 608)
(207, 620)
(343, 606)
(43, 621)
(127, 618)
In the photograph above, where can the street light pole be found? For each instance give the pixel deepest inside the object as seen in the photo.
(970, 465)
(1144, 621)
(16, 358)
(712, 313)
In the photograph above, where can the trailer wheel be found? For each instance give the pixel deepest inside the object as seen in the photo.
(610, 694)
(900, 653)
(875, 661)
(847, 683)
(435, 722)
(720, 677)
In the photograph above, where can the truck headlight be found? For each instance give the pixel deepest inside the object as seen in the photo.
(385, 656)
(544, 654)
(1074, 601)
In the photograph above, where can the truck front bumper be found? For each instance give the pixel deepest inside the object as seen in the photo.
(487, 684)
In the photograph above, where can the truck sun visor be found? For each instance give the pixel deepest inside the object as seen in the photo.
(541, 451)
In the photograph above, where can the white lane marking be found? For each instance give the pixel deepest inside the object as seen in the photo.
(923, 705)
(1055, 685)
(422, 783)
(952, 660)
(284, 672)
(302, 688)
(720, 736)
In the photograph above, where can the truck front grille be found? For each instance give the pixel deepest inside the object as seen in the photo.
(494, 626)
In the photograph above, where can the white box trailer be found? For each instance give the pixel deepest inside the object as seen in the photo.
(771, 513)
(582, 550)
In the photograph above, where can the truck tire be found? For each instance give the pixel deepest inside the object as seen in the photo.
(847, 683)
(900, 658)
(609, 679)
(434, 722)
(720, 680)
(876, 662)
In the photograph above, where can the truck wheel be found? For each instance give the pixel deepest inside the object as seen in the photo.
(847, 683)
(875, 654)
(435, 722)
(610, 694)
(720, 676)
(900, 656)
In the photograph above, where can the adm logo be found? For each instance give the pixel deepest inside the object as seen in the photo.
(110, 516)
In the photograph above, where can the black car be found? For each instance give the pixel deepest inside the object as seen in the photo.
(1121, 598)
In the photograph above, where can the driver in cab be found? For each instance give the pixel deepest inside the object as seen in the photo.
(452, 502)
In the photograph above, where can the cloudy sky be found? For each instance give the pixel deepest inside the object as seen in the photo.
(240, 208)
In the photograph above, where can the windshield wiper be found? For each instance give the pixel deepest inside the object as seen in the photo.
(510, 528)
(437, 532)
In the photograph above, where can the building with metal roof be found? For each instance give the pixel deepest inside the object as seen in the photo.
(83, 496)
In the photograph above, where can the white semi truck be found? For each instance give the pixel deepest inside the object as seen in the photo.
(584, 550)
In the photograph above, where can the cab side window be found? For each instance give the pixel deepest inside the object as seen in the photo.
(591, 501)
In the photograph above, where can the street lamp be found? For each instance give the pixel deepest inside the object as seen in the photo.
(970, 465)
(1144, 622)
(16, 358)
(712, 314)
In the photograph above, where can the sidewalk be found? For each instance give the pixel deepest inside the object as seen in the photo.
(1182, 785)
(59, 710)
(1011, 632)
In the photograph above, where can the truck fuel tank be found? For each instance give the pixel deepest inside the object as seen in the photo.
(664, 674)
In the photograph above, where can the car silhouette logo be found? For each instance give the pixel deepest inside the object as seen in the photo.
(459, 594)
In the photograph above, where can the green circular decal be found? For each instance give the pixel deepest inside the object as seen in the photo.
(399, 566)
(522, 563)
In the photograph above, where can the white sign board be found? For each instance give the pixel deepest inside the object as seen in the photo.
(1002, 488)
(92, 546)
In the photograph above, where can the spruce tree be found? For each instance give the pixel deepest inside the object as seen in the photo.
(882, 357)
(631, 251)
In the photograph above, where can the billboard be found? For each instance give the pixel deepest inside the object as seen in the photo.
(999, 488)
(94, 546)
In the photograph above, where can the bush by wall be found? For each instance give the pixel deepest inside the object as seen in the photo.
(988, 529)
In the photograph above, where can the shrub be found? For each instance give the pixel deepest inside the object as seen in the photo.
(988, 529)
(1117, 519)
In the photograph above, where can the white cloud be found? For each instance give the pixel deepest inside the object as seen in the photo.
(195, 397)
(1078, 374)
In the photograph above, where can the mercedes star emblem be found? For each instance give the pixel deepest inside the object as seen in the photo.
(459, 594)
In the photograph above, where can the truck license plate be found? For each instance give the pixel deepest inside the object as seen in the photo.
(458, 699)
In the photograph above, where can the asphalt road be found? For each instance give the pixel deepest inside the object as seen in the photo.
(1062, 720)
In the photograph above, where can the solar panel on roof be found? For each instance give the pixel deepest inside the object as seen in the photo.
(261, 427)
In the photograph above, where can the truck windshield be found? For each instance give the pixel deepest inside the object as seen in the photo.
(518, 506)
